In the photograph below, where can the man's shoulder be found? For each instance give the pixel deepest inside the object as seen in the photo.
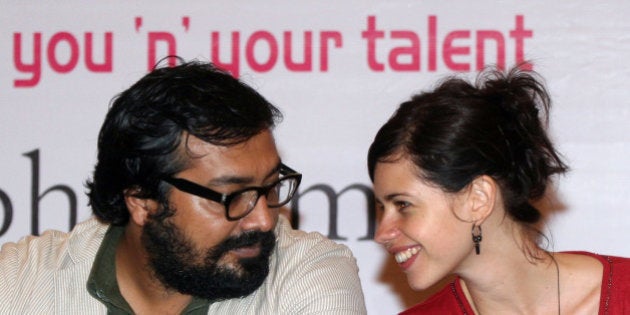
(46, 274)
(301, 243)
(55, 248)
(311, 274)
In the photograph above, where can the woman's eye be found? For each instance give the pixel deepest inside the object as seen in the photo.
(401, 205)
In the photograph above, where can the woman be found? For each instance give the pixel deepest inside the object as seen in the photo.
(455, 172)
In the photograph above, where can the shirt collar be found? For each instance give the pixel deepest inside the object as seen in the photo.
(102, 283)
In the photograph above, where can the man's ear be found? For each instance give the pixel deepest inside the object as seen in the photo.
(139, 208)
(482, 197)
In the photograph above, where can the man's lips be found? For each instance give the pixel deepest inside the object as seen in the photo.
(247, 251)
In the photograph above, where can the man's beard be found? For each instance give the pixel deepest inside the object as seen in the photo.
(179, 266)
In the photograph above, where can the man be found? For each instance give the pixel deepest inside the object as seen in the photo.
(186, 193)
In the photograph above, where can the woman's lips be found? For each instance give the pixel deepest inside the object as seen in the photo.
(406, 257)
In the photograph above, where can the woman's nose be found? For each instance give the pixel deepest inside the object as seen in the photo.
(387, 230)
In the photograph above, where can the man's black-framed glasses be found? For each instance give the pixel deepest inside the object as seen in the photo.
(240, 203)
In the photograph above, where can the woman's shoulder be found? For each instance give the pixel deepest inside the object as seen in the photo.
(615, 283)
(601, 257)
(616, 264)
(615, 269)
(449, 300)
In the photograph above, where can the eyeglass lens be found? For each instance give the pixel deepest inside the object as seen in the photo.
(276, 196)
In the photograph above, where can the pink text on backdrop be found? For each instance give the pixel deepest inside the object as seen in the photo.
(410, 54)
(259, 40)
(59, 63)
(269, 42)
(263, 40)
(295, 51)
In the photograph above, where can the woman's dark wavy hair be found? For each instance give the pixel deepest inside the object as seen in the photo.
(137, 144)
(459, 131)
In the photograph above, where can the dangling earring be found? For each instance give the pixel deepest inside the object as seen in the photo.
(476, 237)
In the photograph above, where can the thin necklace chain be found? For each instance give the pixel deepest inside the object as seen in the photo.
(557, 280)
(557, 286)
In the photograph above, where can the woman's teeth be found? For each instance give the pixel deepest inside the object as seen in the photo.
(403, 256)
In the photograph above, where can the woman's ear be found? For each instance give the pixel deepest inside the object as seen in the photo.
(139, 208)
(482, 198)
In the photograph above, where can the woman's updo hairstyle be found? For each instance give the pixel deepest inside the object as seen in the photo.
(459, 131)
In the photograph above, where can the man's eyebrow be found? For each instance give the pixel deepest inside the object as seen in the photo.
(242, 180)
(274, 170)
(230, 180)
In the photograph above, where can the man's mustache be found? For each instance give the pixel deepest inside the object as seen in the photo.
(247, 239)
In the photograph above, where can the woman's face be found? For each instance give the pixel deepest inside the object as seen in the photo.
(418, 224)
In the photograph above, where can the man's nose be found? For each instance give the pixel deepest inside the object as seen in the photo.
(261, 218)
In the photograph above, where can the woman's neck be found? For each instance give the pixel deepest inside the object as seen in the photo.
(514, 288)
(507, 278)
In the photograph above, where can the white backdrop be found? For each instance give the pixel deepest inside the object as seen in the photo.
(61, 62)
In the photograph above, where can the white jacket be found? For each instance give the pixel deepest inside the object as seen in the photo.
(308, 274)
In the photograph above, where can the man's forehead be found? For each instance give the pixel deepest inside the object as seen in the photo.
(198, 146)
(250, 160)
